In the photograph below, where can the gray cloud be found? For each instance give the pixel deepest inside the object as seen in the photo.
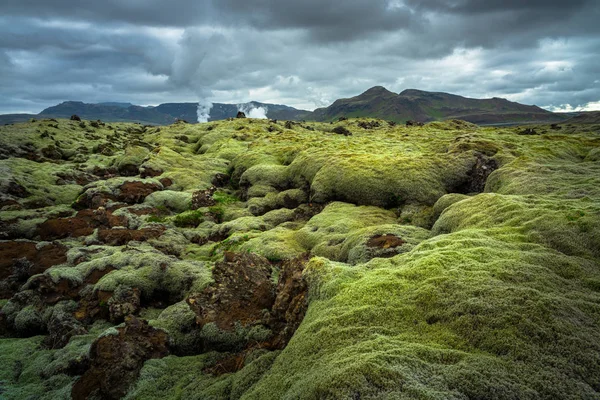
(304, 54)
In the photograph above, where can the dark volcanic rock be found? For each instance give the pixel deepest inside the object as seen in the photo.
(135, 191)
(75, 117)
(243, 295)
(414, 123)
(290, 303)
(528, 132)
(240, 114)
(119, 237)
(385, 241)
(221, 179)
(368, 124)
(340, 130)
(242, 289)
(203, 198)
(19, 260)
(61, 327)
(116, 360)
(124, 301)
(478, 175)
(82, 224)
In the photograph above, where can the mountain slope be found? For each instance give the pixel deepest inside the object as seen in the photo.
(419, 105)
(163, 114)
(587, 117)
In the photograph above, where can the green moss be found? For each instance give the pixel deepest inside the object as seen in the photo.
(180, 378)
(39, 180)
(180, 322)
(570, 226)
(132, 158)
(172, 200)
(25, 371)
(445, 202)
(189, 219)
(265, 174)
(457, 306)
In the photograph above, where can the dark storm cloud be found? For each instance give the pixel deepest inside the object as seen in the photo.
(300, 53)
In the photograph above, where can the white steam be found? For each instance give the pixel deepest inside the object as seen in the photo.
(252, 111)
(203, 111)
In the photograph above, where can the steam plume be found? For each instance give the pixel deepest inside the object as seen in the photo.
(252, 111)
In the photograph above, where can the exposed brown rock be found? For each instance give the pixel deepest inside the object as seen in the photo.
(478, 175)
(135, 191)
(116, 360)
(220, 179)
(243, 295)
(123, 302)
(340, 130)
(20, 260)
(242, 288)
(166, 182)
(203, 198)
(119, 237)
(385, 241)
(368, 124)
(82, 224)
(414, 123)
(290, 303)
(147, 172)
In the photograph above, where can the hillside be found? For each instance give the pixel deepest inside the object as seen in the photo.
(585, 117)
(247, 259)
(162, 114)
(423, 106)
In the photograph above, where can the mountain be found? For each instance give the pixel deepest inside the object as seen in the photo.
(419, 105)
(162, 114)
(219, 111)
(585, 117)
(112, 113)
(377, 102)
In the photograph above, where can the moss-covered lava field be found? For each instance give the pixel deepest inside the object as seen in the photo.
(256, 259)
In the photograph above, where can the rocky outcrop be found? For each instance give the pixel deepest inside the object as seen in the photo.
(203, 198)
(242, 289)
(82, 224)
(477, 177)
(243, 297)
(116, 360)
(119, 237)
(20, 259)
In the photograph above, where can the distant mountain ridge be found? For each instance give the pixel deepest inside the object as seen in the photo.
(162, 114)
(377, 102)
(419, 105)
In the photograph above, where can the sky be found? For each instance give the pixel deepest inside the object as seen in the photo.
(304, 54)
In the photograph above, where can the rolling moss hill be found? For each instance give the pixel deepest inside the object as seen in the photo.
(493, 294)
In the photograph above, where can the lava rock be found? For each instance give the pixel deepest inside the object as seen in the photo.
(116, 360)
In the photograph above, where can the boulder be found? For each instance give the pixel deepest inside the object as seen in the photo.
(116, 360)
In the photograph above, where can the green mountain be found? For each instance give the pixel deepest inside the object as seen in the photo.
(419, 105)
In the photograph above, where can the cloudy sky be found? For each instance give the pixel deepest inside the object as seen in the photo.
(301, 53)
